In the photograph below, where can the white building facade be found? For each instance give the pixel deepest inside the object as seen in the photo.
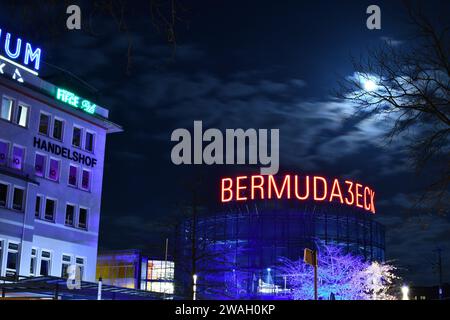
(52, 148)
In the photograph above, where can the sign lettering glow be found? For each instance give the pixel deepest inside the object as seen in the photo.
(75, 101)
(19, 51)
(300, 188)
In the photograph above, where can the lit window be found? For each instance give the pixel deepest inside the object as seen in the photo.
(44, 124)
(12, 259)
(3, 194)
(4, 148)
(76, 138)
(33, 261)
(18, 201)
(89, 145)
(37, 208)
(53, 173)
(39, 165)
(82, 218)
(6, 110)
(22, 115)
(70, 212)
(73, 174)
(50, 207)
(58, 127)
(18, 156)
(66, 262)
(45, 263)
(86, 180)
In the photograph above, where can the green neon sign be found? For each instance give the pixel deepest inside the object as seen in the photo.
(75, 101)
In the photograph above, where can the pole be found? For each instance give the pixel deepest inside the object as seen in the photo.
(315, 275)
(165, 265)
(439, 265)
(99, 291)
(194, 287)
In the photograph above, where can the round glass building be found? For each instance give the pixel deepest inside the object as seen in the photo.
(235, 252)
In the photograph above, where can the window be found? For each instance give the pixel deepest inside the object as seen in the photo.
(53, 173)
(45, 263)
(50, 206)
(80, 264)
(18, 157)
(58, 126)
(11, 259)
(6, 110)
(73, 175)
(85, 180)
(76, 138)
(44, 124)
(66, 262)
(39, 165)
(82, 218)
(18, 201)
(33, 261)
(4, 148)
(3, 195)
(70, 212)
(89, 143)
(22, 115)
(37, 207)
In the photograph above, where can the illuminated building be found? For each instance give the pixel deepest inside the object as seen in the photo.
(238, 245)
(130, 269)
(52, 150)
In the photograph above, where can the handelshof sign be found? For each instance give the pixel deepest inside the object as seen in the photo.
(75, 101)
(64, 152)
(18, 57)
(299, 188)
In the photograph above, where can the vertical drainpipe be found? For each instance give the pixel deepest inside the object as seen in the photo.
(21, 251)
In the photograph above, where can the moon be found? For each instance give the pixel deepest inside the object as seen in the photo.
(370, 85)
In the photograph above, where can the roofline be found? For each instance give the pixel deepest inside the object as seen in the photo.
(44, 97)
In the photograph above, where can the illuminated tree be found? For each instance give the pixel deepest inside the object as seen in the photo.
(376, 281)
(344, 275)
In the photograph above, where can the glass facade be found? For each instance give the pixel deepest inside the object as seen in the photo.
(237, 250)
(130, 269)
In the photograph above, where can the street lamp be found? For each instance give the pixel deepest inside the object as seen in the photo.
(405, 292)
(194, 287)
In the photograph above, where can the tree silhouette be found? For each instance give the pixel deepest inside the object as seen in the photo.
(48, 17)
(410, 83)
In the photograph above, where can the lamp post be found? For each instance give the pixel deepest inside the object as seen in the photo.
(194, 287)
(310, 257)
(99, 289)
(405, 293)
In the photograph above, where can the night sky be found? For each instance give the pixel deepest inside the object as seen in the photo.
(252, 64)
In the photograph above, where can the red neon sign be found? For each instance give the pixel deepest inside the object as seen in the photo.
(301, 188)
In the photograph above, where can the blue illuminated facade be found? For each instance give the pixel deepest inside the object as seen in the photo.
(237, 248)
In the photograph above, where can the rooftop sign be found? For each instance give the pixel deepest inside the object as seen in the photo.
(298, 188)
(75, 101)
(17, 51)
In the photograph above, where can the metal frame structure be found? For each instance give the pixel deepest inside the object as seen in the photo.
(56, 289)
(256, 235)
